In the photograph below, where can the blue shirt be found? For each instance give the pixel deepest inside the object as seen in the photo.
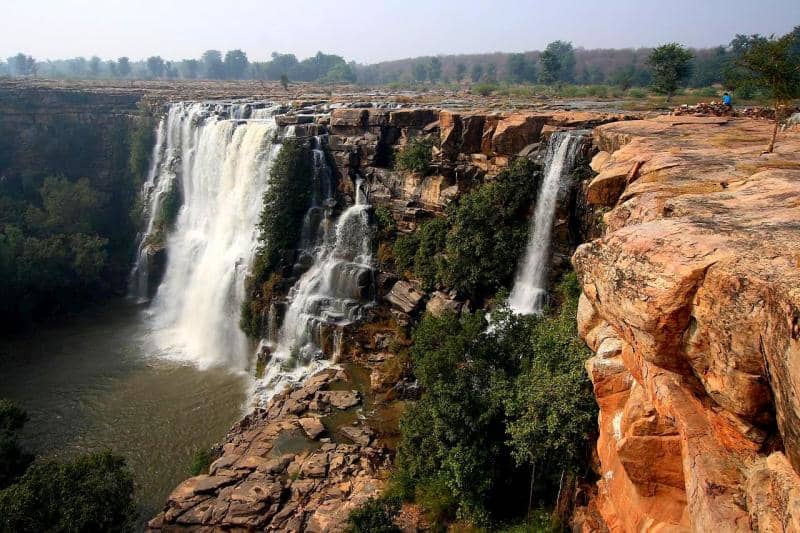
(726, 99)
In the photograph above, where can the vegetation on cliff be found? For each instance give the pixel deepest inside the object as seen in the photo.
(475, 249)
(285, 204)
(93, 492)
(66, 229)
(498, 404)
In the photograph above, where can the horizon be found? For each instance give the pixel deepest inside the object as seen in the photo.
(131, 31)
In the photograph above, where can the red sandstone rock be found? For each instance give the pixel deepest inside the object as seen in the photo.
(691, 305)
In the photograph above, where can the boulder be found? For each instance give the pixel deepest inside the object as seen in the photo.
(312, 427)
(515, 132)
(405, 297)
(440, 303)
(358, 434)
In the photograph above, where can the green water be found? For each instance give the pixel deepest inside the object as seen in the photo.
(92, 383)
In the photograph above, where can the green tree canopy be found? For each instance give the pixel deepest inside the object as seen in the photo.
(670, 65)
(772, 65)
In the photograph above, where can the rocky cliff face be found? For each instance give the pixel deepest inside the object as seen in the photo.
(691, 302)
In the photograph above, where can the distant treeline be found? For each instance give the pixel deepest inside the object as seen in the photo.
(212, 65)
(560, 63)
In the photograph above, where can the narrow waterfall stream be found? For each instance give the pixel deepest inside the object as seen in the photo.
(203, 199)
(334, 289)
(529, 294)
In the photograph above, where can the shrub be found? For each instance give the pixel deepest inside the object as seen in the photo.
(91, 493)
(415, 156)
(286, 201)
(375, 516)
(485, 89)
(637, 92)
(385, 223)
(405, 250)
(201, 460)
(13, 460)
(427, 260)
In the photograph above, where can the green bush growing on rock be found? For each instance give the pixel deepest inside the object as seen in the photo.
(201, 460)
(405, 250)
(428, 258)
(286, 201)
(415, 156)
(376, 515)
(489, 231)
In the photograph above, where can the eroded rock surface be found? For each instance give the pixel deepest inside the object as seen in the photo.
(691, 303)
(278, 473)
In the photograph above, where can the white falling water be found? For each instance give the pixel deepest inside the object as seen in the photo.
(332, 292)
(220, 163)
(529, 294)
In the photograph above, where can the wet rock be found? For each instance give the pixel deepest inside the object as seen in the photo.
(312, 427)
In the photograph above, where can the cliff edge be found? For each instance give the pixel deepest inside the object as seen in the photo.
(691, 303)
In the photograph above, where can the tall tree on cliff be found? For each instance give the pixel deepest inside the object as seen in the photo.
(670, 65)
(773, 65)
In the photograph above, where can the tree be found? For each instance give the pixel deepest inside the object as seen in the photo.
(213, 68)
(670, 64)
(419, 71)
(477, 72)
(774, 66)
(549, 67)
(155, 66)
(566, 58)
(123, 66)
(236, 64)
(489, 230)
(91, 493)
(94, 66)
(519, 69)
(285, 82)
(22, 65)
(435, 69)
(190, 68)
(491, 73)
(461, 70)
(280, 65)
(624, 77)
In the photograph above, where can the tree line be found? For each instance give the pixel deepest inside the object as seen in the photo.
(212, 65)
(560, 63)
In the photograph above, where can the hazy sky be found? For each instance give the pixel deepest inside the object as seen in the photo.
(372, 30)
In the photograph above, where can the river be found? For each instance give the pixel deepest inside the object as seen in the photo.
(96, 381)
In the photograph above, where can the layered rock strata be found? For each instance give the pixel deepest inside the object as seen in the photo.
(691, 302)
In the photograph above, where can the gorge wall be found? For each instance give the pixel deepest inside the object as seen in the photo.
(691, 302)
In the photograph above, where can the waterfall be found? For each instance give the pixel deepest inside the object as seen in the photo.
(334, 289)
(529, 294)
(213, 163)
